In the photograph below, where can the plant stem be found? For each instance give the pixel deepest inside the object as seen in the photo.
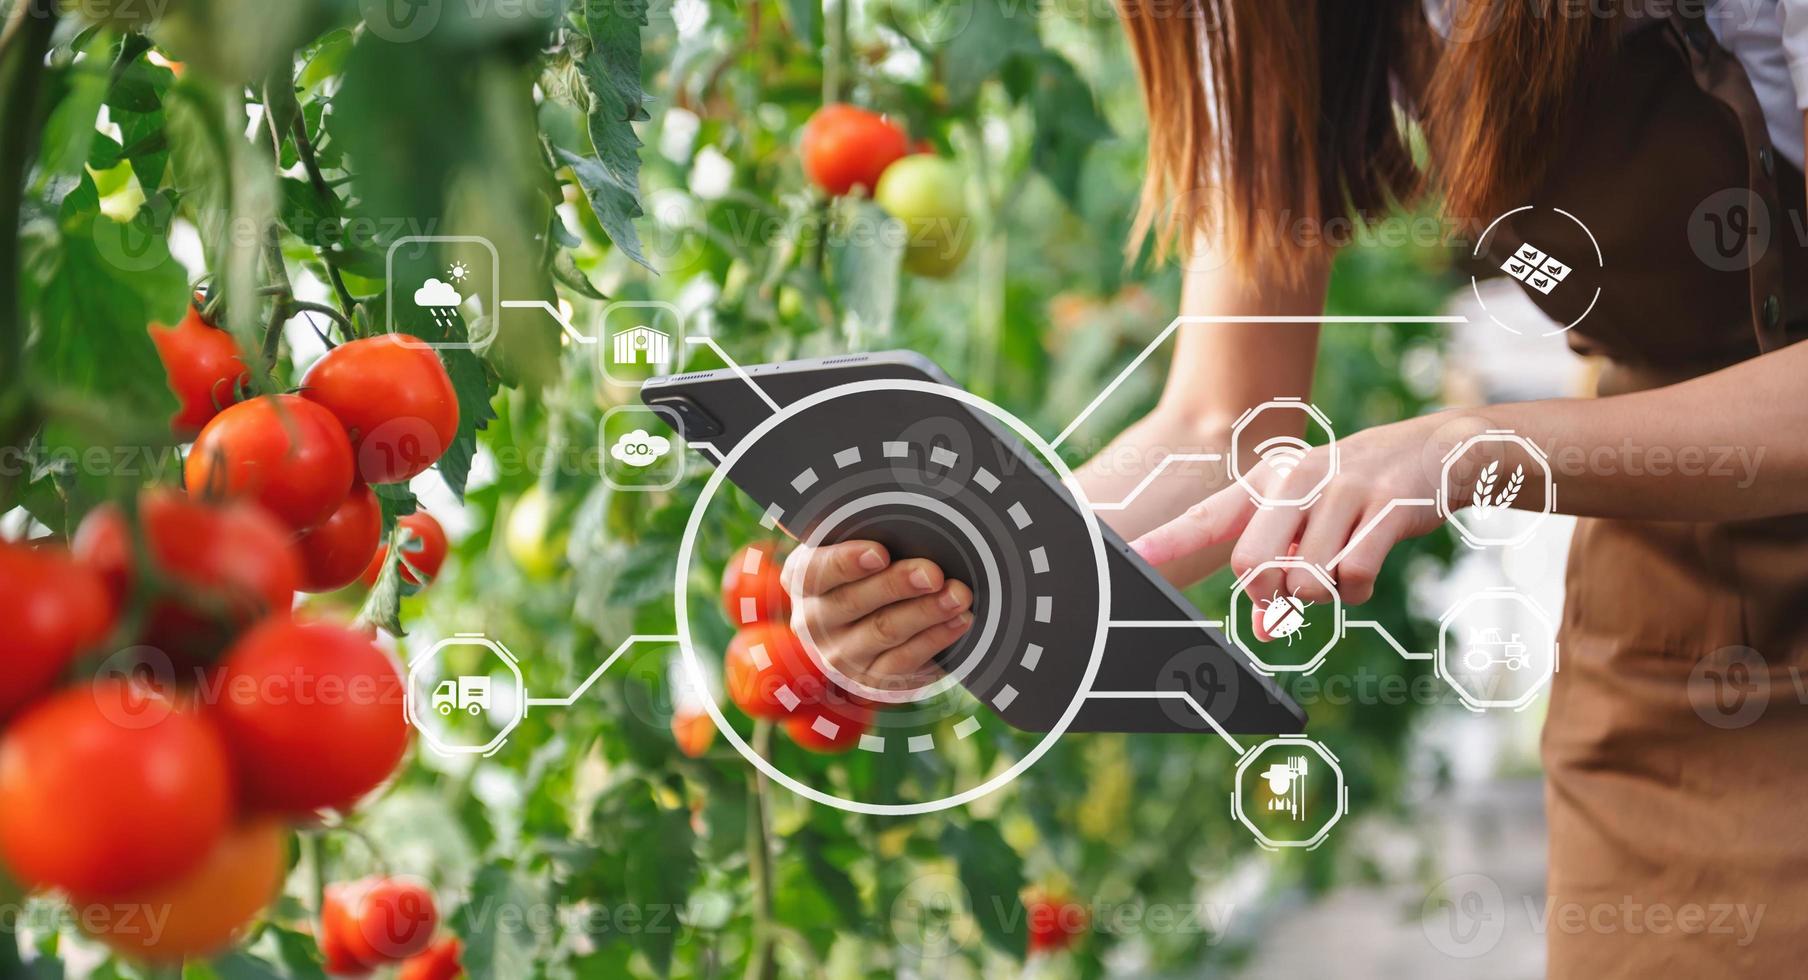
(760, 962)
(982, 372)
(23, 43)
(304, 148)
(834, 50)
(279, 313)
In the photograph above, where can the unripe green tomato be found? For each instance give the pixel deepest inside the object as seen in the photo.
(928, 194)
(528, 534)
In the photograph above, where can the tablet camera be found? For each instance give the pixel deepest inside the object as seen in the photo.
(948, 486)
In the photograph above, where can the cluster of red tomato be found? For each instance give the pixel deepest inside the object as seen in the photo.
(845, 148)
(154, 794)
(766, 669)
(375, 922)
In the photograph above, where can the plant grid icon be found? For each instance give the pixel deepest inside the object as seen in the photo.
(1535, 267)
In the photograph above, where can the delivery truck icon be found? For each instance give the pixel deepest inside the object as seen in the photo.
(470, 694)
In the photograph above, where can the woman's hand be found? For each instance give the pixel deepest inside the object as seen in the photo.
(1377, 470)
(875, 621)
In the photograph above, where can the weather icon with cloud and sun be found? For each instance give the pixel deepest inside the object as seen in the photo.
(441, 299)
(640, 448)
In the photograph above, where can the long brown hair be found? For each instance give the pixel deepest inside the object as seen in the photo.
(1266, 113)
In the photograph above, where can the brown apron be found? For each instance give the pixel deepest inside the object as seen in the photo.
(1676, 747)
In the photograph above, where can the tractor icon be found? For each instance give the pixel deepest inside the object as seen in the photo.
(1487, 648)
(471, 694)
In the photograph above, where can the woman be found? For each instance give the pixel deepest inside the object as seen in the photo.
(1636, 123)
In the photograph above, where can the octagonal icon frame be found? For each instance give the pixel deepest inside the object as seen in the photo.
(1233, 616)
(1341, 797)
(1440, 662)
(1235, 456)
(413, 705)
(1453, 514)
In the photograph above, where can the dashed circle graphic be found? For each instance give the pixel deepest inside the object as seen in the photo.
(1015, 523)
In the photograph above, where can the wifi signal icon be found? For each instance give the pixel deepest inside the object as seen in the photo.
(1283, 453)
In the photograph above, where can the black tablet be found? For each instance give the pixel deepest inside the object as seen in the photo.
(885, 447)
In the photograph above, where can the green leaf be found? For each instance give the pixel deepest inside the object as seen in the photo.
(995, 34)
(805, 17)
(298, 952)
(1068, 123)
(565, 269)
(615, 207)
(610, 70)
(92, 284)
(382, 606)
(497, 926)
(992, 873)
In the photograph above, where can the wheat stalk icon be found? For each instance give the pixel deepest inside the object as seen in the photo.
(1484, 488)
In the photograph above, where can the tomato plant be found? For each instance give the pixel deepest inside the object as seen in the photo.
(204, 911)
(285, 453)
(312, 713)
(109, 789)
(335, 552)
(204, 367)
(223, 567)
(423, 550)
(54, 608)
(395, 400)
(929, 196)
(844, 147)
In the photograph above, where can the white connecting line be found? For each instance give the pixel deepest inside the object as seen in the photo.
(1179, 322)
(553, 311)
(1363, 531)
(572, 698)
(1162, 624)
(1159, 467)
(1389, 637)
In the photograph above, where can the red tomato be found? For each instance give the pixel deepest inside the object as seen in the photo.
(842, 725)
(845, 147)
(335, 924)
(53, 608)
(108, 789)
(423, 552)
(235, 555)
(751, 591)
(693, 731)
(769, 674)
(204, 368)
(439, 962)
(336, 551)
(1055, 922)
(202, 912)
(395, 400)
(282, 451)
(312, 713)
(386, 919)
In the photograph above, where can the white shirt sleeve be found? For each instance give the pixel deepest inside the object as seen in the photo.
(1792, 20)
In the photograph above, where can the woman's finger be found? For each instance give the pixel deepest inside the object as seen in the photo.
(904, 580)
(897, 623)
(911, 663)
(1328, 528)
(1356, 570)
(1214, 520)
(813, 571)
